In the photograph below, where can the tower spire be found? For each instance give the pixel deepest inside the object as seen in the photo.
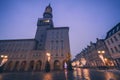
(48, 12)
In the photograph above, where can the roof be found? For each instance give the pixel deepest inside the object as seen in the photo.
(113, 30)
(18, 40)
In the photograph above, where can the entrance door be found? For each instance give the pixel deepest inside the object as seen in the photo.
(38, 65)
(56, 65)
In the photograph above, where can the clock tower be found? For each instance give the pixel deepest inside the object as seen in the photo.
(42, 25)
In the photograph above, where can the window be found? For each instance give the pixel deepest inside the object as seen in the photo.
(52, 45)
(116, 49)
(117, 28)
(56, 54)
(112, 50)
(115, 38)
(40, 45)
(62, 54)
(56, 47)
(41, 40)
(21, 55)
(42, 36)
(111, 40)
(113, 31)
(108, 42)
(119, 46)
(119, 34)
(110, 33)
(62, 45)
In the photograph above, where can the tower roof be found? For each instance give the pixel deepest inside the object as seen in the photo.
(48, 9)
(48, 12)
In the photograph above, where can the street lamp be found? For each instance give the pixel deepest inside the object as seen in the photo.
(4, 59)
(47, 65)
(101, 56)
(48, 56)
(83, 61)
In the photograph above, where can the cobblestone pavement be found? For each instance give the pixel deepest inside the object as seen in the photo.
(78, 74)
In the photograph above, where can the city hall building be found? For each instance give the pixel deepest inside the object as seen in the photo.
(50, 45)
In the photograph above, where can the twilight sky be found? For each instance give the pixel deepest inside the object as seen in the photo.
(87, 19)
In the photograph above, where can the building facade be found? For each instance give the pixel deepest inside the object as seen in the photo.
(95, 55)
(50, 45)
(113, 43)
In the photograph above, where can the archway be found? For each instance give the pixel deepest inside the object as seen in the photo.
(9, 66)
(38, 65)
(47, 66)
(56, 65)
(16, 66)
(31, 65)
(23, 66)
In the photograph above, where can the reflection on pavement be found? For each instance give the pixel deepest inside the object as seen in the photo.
(78, 74)
(66, 74)
(47, 76)
(109, 76)
(81, 74)
(86, 74)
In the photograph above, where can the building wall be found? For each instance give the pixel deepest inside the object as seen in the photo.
(41, 32)
(92, 56)
(30, 54)
(113, 43)
(17, 45)
(57, 44)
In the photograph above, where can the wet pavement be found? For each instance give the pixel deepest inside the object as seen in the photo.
(78, 74)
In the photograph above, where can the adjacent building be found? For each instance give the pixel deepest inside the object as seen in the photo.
(49, 47)
(95, 55)
(113, 43)
(105, 52)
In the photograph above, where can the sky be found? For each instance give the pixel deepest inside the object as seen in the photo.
(87, 19)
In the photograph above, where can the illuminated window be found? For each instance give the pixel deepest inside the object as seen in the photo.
(47, 21)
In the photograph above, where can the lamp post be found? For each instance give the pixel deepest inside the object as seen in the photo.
(4, 59)
(48, 56)
(47, 66)
(101, 53)
(83, 62)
